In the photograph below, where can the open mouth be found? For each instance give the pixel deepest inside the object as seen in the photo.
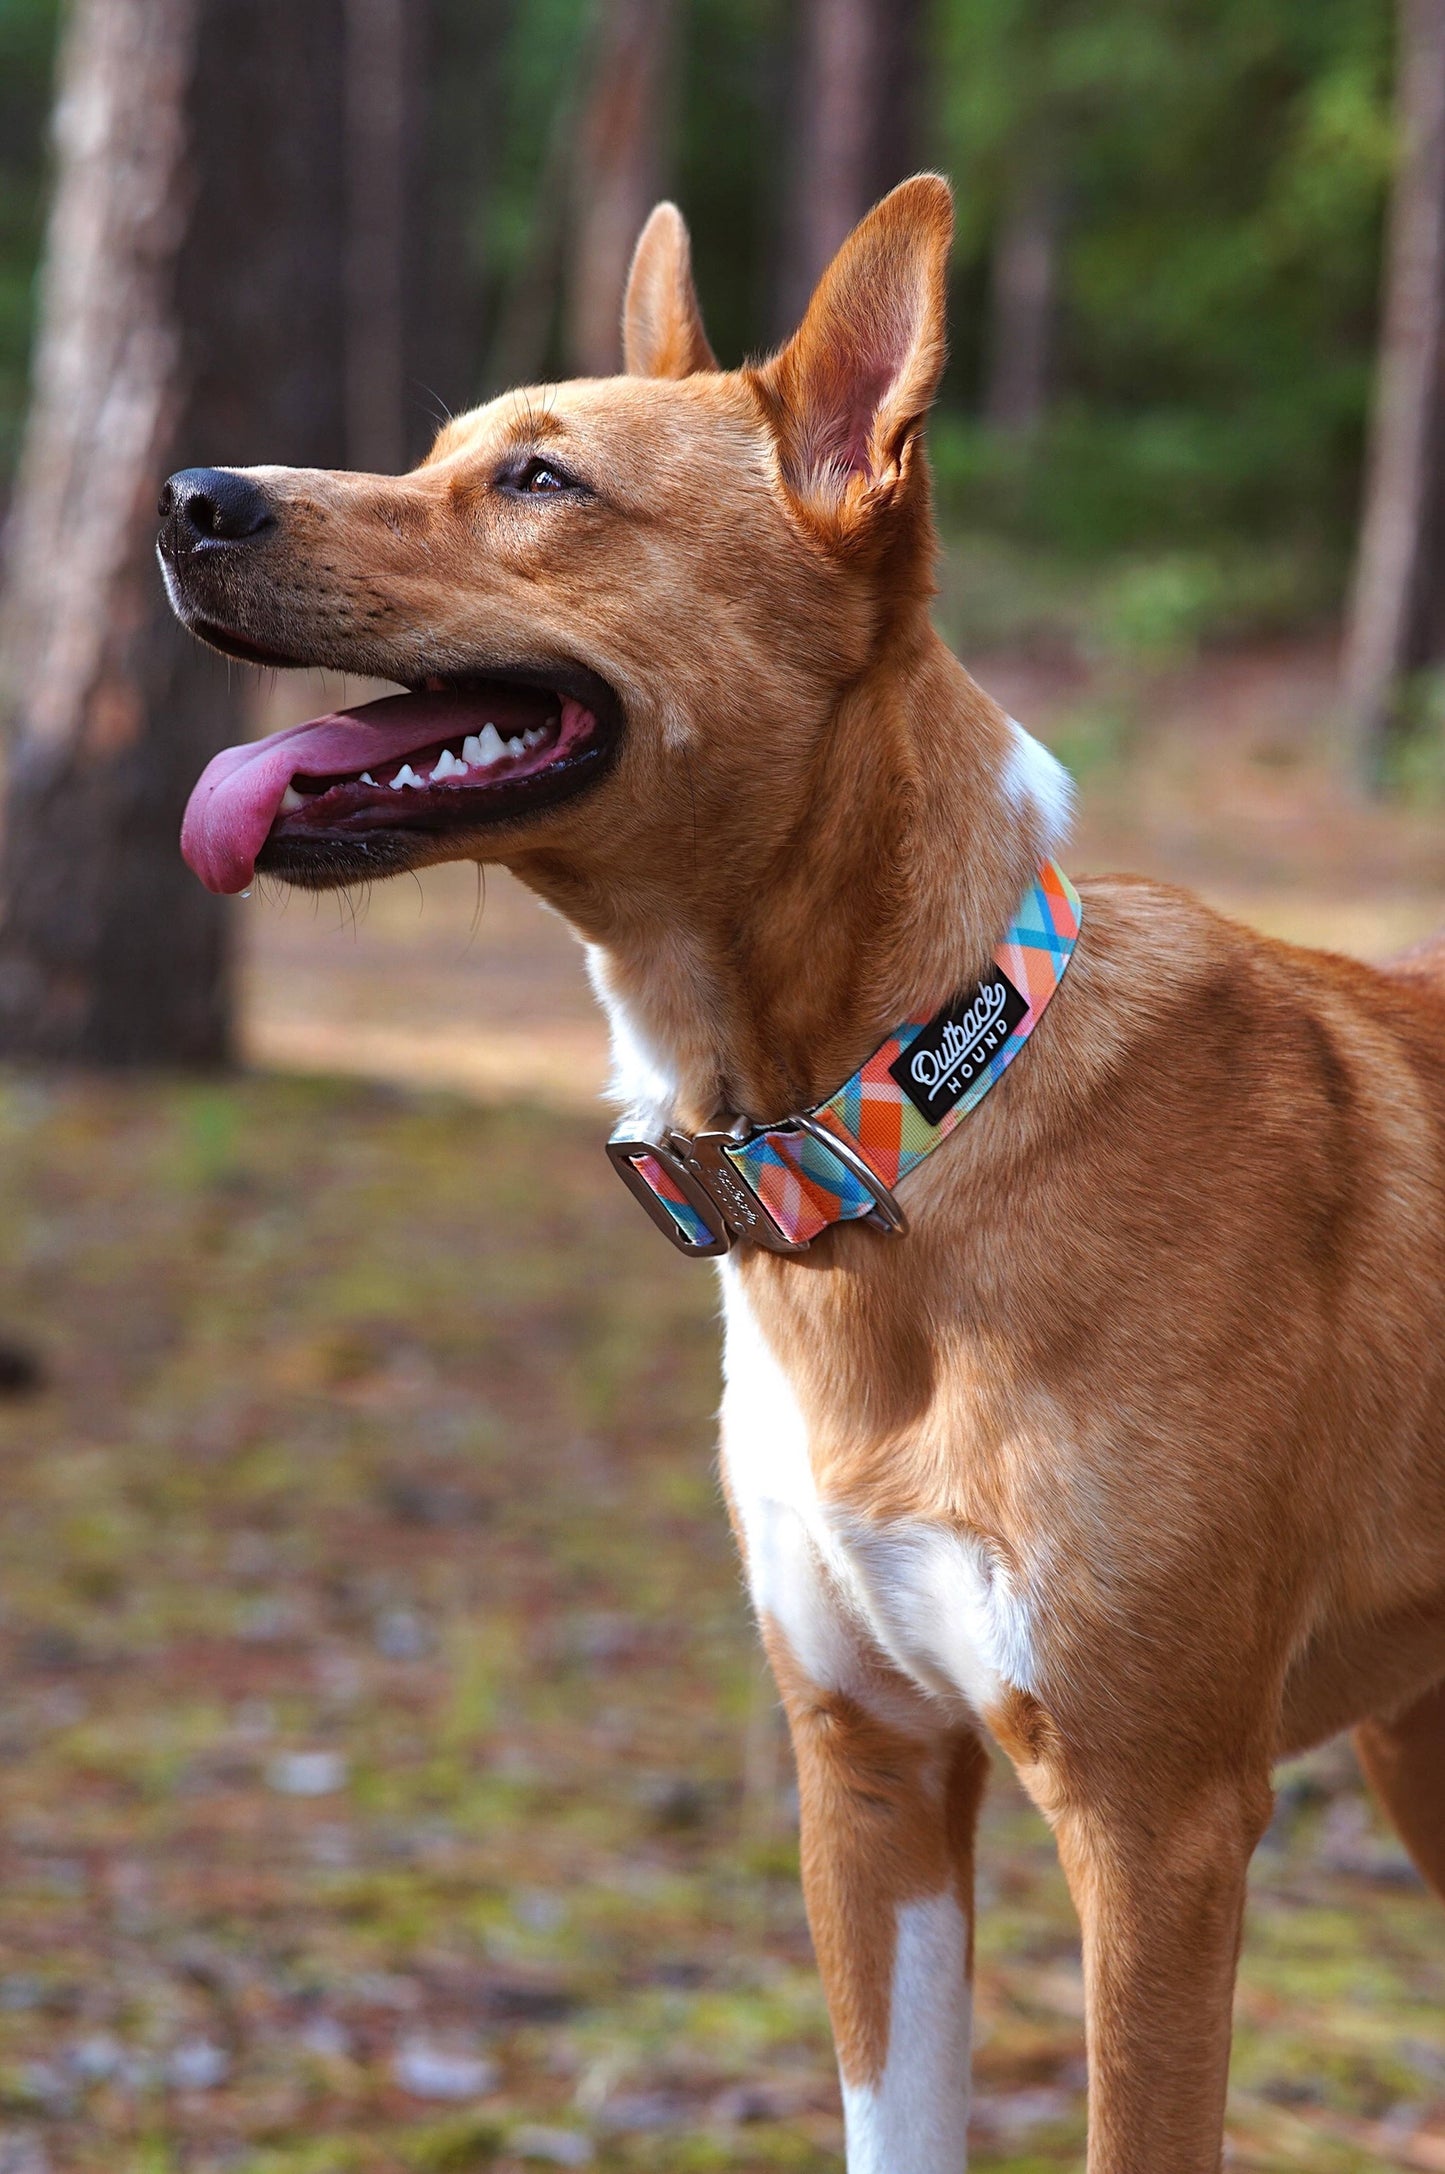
(355, 794)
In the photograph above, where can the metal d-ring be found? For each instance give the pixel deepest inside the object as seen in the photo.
(886, 1210)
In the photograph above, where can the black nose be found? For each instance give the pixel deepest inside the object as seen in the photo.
(212, 505)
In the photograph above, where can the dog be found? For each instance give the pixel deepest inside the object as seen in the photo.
(1107, 1418)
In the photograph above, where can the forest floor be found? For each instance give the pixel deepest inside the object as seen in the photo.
(390, 1783)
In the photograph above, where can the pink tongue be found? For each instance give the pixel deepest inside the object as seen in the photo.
(238, 795)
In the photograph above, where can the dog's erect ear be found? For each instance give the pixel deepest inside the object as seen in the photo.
(848, 393)
(662, 333)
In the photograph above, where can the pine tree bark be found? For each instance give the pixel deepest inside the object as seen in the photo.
(189, 312)
(857, 79)
(828, 187)
(459, 57)
(1021, 303)
(1393, 623)
(617, 175)
(899, 116)
(382, 90)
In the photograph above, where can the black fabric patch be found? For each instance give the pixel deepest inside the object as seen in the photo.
(939, 1066)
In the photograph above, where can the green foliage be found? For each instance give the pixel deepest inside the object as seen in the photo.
(1219, 168)
(1414, 756)
(729, 159)
(540, 77)
(459, 2146)
(27, 37)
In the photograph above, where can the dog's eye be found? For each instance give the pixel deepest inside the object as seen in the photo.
(539, 476)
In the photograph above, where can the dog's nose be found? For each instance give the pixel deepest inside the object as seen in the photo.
(212, 505)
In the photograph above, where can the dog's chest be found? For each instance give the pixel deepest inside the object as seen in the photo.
(843, 1590)
(846, 1591)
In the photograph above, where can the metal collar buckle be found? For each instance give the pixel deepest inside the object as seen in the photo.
(627, 1152)
(724, 1204)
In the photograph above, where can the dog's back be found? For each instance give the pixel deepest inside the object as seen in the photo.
(1423, 964)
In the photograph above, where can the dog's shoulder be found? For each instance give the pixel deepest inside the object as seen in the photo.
(1150, 947)
(1167, 991)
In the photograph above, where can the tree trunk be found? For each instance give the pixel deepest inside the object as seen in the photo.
(617, 175)
(459, 63)
(382, 82)
(1021, 303)
(527, 311)
(190, 312)
(898, 104)
(857, 77)
(1393, 611)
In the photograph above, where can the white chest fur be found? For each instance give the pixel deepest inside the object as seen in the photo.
(844, 1589)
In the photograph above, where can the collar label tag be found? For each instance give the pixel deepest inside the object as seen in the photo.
(781, 1185)
(955, 1049)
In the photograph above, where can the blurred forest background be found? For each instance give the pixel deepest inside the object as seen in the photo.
(1188, 451)
(1166, 282)
(390, 1782)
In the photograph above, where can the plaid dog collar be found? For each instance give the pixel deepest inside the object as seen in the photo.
(779, 1185)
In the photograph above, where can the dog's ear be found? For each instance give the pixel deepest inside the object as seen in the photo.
(662, 334)
(846, 397)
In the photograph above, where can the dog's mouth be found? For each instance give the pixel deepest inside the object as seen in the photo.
(373, 790)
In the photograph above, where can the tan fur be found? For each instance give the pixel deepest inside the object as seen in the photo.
(888, 1817)
(663, 334)
(1170, 1319)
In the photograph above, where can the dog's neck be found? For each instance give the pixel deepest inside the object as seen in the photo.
(756, 973)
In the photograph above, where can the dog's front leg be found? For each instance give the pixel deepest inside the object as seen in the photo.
(1158, 1877)
(888, 1815)
(889, 1787)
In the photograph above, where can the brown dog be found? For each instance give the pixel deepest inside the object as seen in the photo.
(1132, 1450)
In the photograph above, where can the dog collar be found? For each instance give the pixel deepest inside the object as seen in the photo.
(779, 1185)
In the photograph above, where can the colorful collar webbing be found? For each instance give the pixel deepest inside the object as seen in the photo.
(781, 1184)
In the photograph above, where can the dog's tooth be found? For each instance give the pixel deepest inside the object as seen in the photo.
(535, 737)
(490, 747)
(515, 746)
(447, 766)
(291, 799)
(366, 778)
(405, 776)
(472, 749)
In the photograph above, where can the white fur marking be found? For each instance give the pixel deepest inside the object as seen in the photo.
(942, 1608)
(1032, 774)
(934, 1601)
(642, 1081)
(790, 1553)
(914, 2120)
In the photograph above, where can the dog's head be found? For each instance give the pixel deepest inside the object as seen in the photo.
(610, 600)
